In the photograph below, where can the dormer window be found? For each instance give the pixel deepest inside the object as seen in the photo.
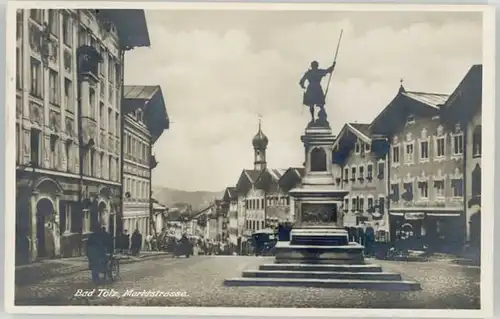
(410, 119)
(357, 148)
(138, 115)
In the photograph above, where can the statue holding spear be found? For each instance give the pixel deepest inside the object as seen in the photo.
(313, 95)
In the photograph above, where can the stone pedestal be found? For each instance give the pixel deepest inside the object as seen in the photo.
(319, 253)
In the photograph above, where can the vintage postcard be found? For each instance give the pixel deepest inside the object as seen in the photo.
(250, 159)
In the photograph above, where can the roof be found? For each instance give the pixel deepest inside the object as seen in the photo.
(296, 172)
(230, 193)
(252, 174)
(405, 103)
(203, 211)
(430, 99)
(150, 99)
(467, 97)
(140, 92)
(276, 173)
(131, 24)
(157, 206)
(362, 128)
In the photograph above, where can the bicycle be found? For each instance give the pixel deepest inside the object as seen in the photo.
(112, 269)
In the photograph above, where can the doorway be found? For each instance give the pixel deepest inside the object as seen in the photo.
(44, 235)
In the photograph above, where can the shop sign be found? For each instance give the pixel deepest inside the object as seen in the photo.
(414, 216)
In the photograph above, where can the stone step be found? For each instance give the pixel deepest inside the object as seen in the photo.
(322, 267)
(321, 275)
(326, 283)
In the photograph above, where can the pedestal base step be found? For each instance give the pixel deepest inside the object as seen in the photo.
(321, 275)
(326, 283)
(322, 267)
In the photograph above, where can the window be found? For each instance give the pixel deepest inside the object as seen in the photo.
(54, 21)
(67, 217)
(476, 141)
(117, 124)
(367, 147)
(346, 204)
(117, 73)
(458, 144)
(36, 78)
(92, 103)
(110, 93)
(102, 121)
(67, 29)
(381, 205)
(369, 171)
(111, 64)
(354, 203)
(424, 190)
(346, 174)
(92, 163)
(35, 147)
(86, 221)
(83, 36)
(19, 69)
(110, 119)
(53, 87)
(439, 189)
(381, 169)
(424, 150)
(395, 154)
(409, 153)
(101, 163)
(138, 115)
(361, 172)
(353, 174)
(410, 119)
(357, 148)
(36, 15)
(440, 150)
(395, 192)
(361, 204)
(457, 186)
(370, 203)
(101, 65)
(68, 87)
(67, 60)
(69, 159)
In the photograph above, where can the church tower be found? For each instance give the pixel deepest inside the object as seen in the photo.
(260, 142)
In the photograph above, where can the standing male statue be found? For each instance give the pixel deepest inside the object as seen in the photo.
(314, 96)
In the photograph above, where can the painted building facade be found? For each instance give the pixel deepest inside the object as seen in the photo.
(230, 199)
(363, 172)
(69, 81)
(426, 171)
(145, 119)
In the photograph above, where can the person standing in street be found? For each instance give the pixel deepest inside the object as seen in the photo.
(136, 242)
(149, 239)
(96, 253)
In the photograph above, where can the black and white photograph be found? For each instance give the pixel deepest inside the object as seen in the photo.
(238, 157)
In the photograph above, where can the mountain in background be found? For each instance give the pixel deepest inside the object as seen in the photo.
(196, 200)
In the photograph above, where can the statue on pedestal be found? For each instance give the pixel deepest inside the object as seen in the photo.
(314, 96)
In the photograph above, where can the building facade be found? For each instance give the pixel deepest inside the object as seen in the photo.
(230, 199)
(145, 119)
(464, 107)
(69, 80)
(426, 171)
(276, 202)
(363, 172)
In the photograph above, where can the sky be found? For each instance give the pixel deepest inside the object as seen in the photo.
(220, 70)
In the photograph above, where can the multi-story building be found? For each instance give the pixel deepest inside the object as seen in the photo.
(363, 173)
(145, 119)
(426, 170)
(291, 178)
(251, 199)
(277, 203)
(230, 199)
(69, 80)
(159, 212)
(464, 107)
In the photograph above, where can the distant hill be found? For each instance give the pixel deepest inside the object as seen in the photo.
(183, 199)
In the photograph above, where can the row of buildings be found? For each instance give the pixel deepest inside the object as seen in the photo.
(414, 171)
(83, 139)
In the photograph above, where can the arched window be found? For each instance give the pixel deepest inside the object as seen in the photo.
(476, 141)
(318, 160)
(138, 114)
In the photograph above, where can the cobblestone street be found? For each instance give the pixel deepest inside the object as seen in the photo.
(198, 281)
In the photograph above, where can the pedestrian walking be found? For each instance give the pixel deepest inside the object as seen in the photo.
(136, 242)
(96, 253)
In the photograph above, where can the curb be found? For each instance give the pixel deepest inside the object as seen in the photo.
(75, 269)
